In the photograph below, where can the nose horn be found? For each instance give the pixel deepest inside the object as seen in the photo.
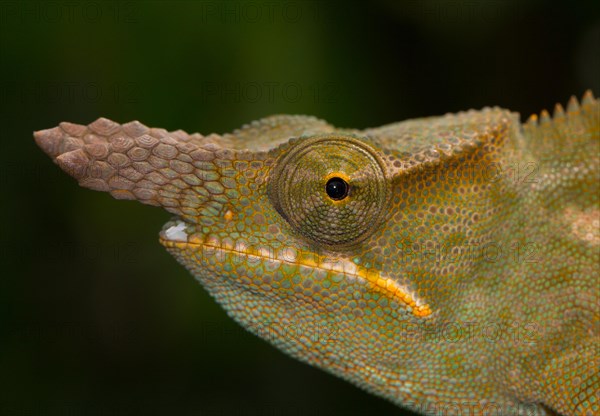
(132, 161)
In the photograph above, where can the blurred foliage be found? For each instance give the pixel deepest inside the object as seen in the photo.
(96, 317)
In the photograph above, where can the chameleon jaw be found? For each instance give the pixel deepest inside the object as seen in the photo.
(174, 236)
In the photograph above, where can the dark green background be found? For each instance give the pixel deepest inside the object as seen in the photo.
(96, 318)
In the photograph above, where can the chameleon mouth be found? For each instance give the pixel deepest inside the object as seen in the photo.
(180, 235)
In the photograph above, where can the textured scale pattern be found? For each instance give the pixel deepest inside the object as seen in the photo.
(459, 275)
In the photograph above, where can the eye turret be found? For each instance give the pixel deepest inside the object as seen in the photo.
(331, 189)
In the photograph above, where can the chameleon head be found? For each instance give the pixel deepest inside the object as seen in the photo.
(356, 251)
(294, 227)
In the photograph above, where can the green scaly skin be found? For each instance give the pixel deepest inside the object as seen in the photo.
(458, 273)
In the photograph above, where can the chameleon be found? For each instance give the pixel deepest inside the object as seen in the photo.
(449, 264)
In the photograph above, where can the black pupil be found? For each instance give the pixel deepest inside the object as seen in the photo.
(336, 188)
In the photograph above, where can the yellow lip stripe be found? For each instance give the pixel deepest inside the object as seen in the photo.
(392, 289)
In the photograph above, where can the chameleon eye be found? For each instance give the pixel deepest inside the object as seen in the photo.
(332, 189)
(337, 188)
